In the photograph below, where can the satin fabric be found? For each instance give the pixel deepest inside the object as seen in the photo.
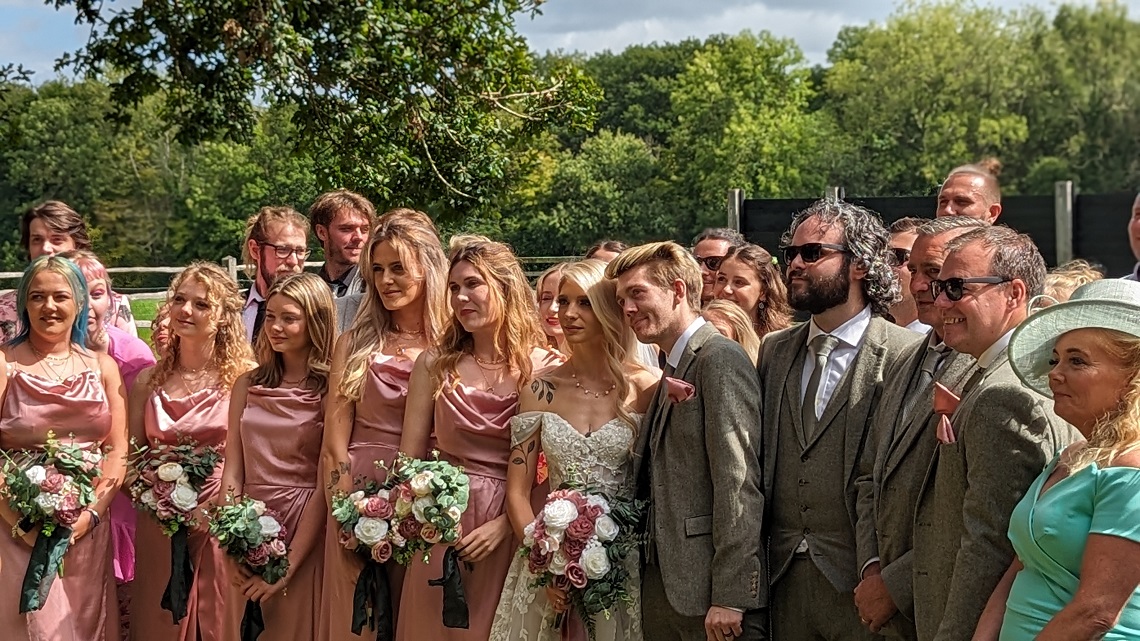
(81, 605)
(281, 431)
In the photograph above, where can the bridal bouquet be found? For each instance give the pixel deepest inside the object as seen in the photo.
(51, 488)
(579, 543)
(168, 483)
(254, 535)
(368, 516)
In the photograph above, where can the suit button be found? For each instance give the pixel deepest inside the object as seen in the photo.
(803, 482)
(805, 457)
(803, 508)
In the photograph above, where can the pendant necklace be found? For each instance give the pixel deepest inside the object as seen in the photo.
(587, 392)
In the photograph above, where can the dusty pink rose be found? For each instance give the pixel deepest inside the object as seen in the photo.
(581, 528)
(258, 556)
(579, 501)
(165, 509)
(377, 508)
(53, 482)
(67, 517)
(430, 533)
(381, 552)
(561, 494)
(409, 528)
(576, 575)
(277, 548)
(68, 503)
(163, 489)
(406, 493)
(560, 582)
(594, 511)
(537, 562)
(573, 548)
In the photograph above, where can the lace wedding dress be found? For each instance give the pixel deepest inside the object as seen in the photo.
(600, 460)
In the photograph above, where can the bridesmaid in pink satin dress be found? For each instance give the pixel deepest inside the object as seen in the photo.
(52, 382)
(187, 395)
(276, 422)
(467, 390)
(403, 312)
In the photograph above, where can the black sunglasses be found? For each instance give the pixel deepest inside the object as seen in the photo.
(712, 263)
(955, 289)
(809, 252)
(897, 256)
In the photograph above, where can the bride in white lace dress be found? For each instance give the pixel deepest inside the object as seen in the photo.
(584, 414)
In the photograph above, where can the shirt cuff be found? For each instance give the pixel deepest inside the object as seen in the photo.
(866, 565)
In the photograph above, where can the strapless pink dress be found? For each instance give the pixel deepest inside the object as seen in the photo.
(375, 437)
(215, 604)
(472, 428)
(281, 431)
(81, 605)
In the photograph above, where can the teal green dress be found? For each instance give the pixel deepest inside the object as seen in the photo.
(1049, 534)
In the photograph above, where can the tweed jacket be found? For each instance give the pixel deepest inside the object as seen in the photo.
(902, 459)
(702, 457)
(346, 308)
(858, 392)
(1005, 435)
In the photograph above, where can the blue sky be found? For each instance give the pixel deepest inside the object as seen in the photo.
(34, 34)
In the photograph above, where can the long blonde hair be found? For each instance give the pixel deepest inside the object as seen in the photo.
(556, 271)
(1117, 432)
(619, 344)
(735, 317)
(232, 355)
(512, 303)
(414, 237)
(316, 302)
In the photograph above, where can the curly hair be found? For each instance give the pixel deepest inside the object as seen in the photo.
(866, 240)
(312, 295)
(773, 313)
(232, 354)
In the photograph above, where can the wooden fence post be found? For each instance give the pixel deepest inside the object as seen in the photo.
(230, 263)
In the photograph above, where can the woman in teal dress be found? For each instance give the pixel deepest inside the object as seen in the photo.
(1076, 532)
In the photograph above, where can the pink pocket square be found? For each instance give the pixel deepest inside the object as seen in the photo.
(678, 390)
(945, 403)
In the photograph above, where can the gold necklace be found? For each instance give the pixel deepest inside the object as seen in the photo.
(587, 392)
(51, 357)
(182, 371)
(489, 363)
(483, 371)
(296, 382)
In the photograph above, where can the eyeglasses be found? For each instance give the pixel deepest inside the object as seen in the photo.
(955, 289)
(810, 252)
(284, 251)
(712, 263)
(897, 256)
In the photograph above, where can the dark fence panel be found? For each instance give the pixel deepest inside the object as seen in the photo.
(1100, 231)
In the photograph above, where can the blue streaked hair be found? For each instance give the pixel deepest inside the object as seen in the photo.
(75, 279)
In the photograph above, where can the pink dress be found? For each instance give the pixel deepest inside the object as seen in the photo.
(215, 604)
(473, 430)
(81, 605)
(281, 431)
(375, 437)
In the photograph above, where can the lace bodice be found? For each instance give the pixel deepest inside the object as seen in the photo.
(600, 460)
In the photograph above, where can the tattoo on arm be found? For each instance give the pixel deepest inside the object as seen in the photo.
(543, 388)
(336, 474)
(518, 456)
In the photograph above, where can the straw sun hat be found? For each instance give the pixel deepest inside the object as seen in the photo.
(1103, 304)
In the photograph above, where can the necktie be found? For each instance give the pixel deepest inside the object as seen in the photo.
(258, 321)
(920, 383)
(821, 347)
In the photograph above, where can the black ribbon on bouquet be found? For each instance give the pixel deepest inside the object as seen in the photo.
(372, 602)
(454, 600)
(252, 622)
(176, 596)
(43, 566)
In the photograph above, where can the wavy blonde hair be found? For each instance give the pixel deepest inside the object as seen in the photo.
(736, 318)
(619, 344)
(316, 302)
(414, 237)
(232, 354)
(512, 306)
(1117, 432)
(556, 271)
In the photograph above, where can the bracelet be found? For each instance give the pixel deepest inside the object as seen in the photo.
(94, 516)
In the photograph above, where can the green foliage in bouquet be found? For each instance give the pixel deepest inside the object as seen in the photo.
(253, 534)
(36, 480)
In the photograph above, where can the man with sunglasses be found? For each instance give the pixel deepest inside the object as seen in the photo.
(903, 422)
(276, 244)
(999, 437)
(905, 312)
(820, 382)
(709, 248)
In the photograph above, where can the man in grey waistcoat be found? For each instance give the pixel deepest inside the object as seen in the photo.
(820, 382)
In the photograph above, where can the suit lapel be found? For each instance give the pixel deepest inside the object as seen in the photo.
(781, 379)
(793, 384)
(688, 355)
(953, 375)
(864, 378)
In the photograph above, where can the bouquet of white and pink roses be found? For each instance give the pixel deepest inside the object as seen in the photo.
(430, 498)
(254, 535)
(579, 543)
(168, 483)
(367, 516)
(51, 488)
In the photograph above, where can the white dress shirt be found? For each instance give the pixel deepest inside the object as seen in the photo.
(674, 357)
(918, 326)
(990, 355)
(850, 335)
(249, 312)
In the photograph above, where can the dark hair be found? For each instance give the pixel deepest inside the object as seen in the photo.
(908, 224)
(324, 208)
(1014, 255)
(774, 313)
(60, 218)
(720, 233)
(615, 246)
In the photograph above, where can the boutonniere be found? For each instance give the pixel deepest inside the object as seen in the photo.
(945, 404)
(678, 390)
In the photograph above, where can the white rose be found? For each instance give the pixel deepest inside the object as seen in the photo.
(270, 528)
(421, 483)
(454, 513)
(370, 531)
(547, 544)
(559, 514)
(259, 508)
(384, 494)
(47, 502)
(184, 498)
(528, 534)
(419, 505)
(148, 499)
(595, 499)
(558, 563)
(595, 563)
(403, 508)
(356, 496)
(183, 480)
(398, 540)
(605, 528)
(169, 472)
(36, 474)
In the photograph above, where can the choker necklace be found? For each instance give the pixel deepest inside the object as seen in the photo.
(55, 358)
(407, 332)
(489, 363)
(578, 384)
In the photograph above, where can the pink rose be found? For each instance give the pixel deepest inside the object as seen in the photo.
(576, 575)
(258, 556)
(409, 528)
(573, 548)
(165, 509)
(53, 482)
(560, 582)
(68, 503)
(561, 494)
(579, 501)
(377, 508)
(581, 528)
(406, 493)
(594, 511)
(277, 548)
(163, 489)
(381, 552)
(429, 533)
(67, 517)
(537, 562)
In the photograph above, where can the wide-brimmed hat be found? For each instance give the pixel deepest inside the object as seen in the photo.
(1103, 304)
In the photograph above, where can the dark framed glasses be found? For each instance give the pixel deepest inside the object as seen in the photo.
(955, 288)
(810, 252)
(712, 263)
(897, 256)
(284, 251)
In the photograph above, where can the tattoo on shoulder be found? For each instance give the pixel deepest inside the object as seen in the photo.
(543, 389)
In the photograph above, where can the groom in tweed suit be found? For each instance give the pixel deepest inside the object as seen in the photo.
(1000, 437)
(820, 382)
(902, 426)
(696, 459)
